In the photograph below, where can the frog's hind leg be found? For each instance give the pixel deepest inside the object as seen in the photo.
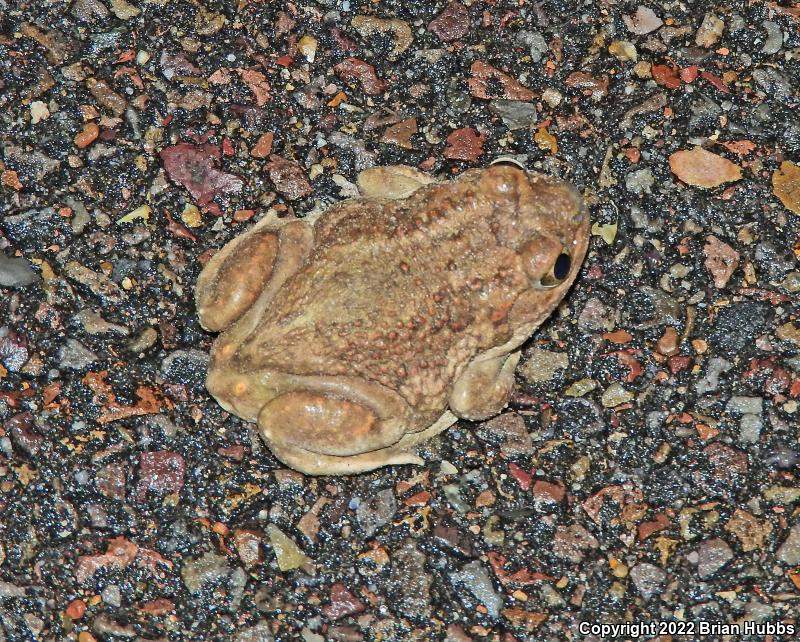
(319, 434)
(312, 463)
(483, 388)
(247, 267)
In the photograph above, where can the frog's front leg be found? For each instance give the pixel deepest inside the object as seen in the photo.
(319, 434)
(391, 181)
(248, 266)
(483, 388)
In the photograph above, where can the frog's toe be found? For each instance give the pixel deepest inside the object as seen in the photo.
(319, 434)
(234, 278)
(484, 387)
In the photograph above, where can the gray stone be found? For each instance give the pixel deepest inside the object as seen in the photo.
(13, 349)
(615, 395)
(376, 511)
(640, 181)
(536, 43)
(774, 261)
(789, 551)
(310, 636)
(750, 428)
(704, 113)
(259, 632)
(410, 581)
(507, 430)
(742, 405)
(782, 456)
(757, 611)
(111, 595)
(475, 578)
(541, 365)
(709, 383)
(516, 114)
(7, 589)
(736, 23)
(89, 10)
(207, 569)
(40, 163)
(648, 579)
(662, 306)
(16, 272)
(453, 494)
(712, 555)
(596, 315)
(773, 83)
(643, 21)
(93, 323)
(186, 367)
(236, 584)
(80, 215)
(110, 628)
(580, 417)
(774, 41)
(458, 101)
(143, 341)
(363, 158)
(75, 356)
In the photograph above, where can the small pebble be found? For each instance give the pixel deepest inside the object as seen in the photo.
(39, 111)
(75, 356)
(615, 395)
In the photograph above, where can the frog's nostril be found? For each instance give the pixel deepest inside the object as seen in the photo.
(579, 216)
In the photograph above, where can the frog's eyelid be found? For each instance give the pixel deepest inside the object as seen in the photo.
(509, 160)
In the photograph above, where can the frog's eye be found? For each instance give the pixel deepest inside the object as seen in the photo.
(546, 261)
(508, 161)
(558, 272)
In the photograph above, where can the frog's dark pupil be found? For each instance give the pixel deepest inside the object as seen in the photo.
(561, 266)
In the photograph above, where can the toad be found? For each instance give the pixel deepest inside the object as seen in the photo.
(353, 336)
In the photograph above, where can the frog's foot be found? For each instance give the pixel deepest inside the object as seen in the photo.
(483, 388)
(319, 434)
(411, 439)
(234, 278)
(392, 181)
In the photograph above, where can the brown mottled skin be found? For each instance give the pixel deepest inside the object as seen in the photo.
(352, 338)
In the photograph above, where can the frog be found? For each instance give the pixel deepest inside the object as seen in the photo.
(353, 335)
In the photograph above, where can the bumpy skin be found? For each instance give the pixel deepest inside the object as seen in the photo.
(352, 338)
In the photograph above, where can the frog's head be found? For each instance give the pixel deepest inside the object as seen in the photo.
(549, 228)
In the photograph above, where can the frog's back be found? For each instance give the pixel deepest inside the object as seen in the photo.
(400, 292)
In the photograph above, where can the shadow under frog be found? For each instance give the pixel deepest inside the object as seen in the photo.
(351, 338)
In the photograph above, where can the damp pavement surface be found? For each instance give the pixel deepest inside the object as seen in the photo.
(647, 467)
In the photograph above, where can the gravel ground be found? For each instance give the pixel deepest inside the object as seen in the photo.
(647, 468)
